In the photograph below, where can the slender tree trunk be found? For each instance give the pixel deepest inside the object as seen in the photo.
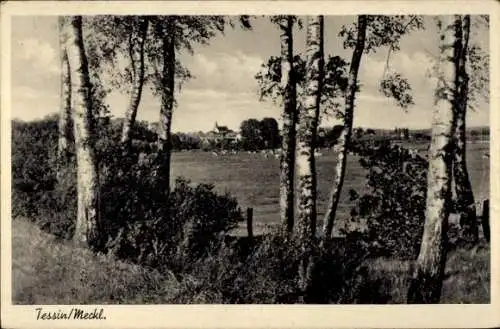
(465, 198)
(136, 54)
(87, 228)
(167, 104)
(427, 279)
(307, 131)
(289, 117)
(345, 136)
(65, 120)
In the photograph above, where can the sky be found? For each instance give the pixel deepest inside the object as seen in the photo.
(223, 87)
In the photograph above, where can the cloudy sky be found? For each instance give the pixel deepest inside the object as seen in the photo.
(223, 88)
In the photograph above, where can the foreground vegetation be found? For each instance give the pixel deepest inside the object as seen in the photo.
(47, 270)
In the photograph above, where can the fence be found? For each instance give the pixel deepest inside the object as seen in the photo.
(485, 219)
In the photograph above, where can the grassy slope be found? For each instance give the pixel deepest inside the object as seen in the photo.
(467, 277)
(46, 271)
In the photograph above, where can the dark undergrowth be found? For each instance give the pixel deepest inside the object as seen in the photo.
(47, 270)
(172, 245)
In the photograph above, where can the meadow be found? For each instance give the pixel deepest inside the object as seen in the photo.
(254, 180)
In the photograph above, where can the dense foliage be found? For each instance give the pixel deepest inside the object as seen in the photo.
(393, 206)
(140, 220)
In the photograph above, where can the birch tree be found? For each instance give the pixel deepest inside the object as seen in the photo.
(170, 35)
(306, 140)
(473, 85)
(465, 198)
(135, 44)
(65, 115)
(289, 118)
(87, 227)
(116, 45)
(427, 279)
(345, 136)
(167, 80)
(369, 34)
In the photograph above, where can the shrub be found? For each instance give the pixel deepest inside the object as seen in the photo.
(147, 224)
(57, 207)
(269, 273)
(394, 205)
(34, 145)
(393, 208)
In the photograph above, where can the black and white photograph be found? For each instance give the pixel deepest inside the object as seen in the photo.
(175, 158)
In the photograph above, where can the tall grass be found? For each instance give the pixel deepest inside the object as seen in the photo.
(467, 277)
(46, 270)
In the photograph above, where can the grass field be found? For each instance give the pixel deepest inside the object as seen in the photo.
(254, 180)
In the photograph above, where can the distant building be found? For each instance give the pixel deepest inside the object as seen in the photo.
(222, 133)
(153, 126)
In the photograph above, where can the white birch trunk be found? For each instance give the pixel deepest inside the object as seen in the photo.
(136, 56)
(306, 139)
(65, 119)
(289, 131)
(427, 279)
(344, 139)
(87, 230)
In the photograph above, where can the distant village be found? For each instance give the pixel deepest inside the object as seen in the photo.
(222, 136)
(255, 135)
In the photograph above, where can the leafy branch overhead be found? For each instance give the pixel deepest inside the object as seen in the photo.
(111, 38)
(387, 31)
(334, 82)
(397, 87)
(382, 31)
(478, 64)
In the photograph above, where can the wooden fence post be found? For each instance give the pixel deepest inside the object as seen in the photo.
(485, 219)
(250, 223)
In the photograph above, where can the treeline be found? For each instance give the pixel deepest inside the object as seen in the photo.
(254, 135)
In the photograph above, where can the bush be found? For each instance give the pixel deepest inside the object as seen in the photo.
(174, 232)
(36, 194)
(269, 273)
(394, 205)
(393, 208)
(148, 224)
(33, 171)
